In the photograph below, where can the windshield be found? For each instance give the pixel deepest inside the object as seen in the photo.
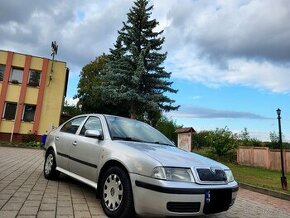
(133, 130)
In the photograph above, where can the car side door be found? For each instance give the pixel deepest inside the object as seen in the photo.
(64, 141)
(86, 150)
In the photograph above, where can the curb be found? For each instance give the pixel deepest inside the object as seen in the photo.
(265, 191)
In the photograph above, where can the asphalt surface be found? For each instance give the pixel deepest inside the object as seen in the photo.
(24, 192)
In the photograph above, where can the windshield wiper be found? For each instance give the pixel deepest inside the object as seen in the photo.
(161, 143)
(126, 139)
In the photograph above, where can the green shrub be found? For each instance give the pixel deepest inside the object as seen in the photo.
(222, 141)
(201, 139)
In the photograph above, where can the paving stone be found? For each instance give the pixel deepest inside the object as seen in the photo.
(2, 202)
(79, 200)
(21, 194)
(64, 203)
(47, 207)
(12, 206)
(8, 214)
(46, 214)
(82, 214)
(5, 196)
(80, 207)
(34, 197)
(64, 211)
(64, 198)
(28, 211)
(29, 203)
(49, 200)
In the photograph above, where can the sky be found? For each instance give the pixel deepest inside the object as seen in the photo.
(230, 60)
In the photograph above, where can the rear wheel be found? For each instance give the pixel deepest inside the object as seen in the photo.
(116, 193)
(49, 169)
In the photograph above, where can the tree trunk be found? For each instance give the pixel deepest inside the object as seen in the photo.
(132, 111)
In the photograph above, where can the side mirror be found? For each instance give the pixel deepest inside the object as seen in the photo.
(94, 134)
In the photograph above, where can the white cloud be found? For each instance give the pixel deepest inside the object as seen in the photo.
(71, 101)
(212, 42)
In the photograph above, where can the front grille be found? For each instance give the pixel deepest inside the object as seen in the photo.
(217, 200)
(183, 207)
(211, 175)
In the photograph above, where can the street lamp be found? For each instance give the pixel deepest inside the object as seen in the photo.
(283, 177)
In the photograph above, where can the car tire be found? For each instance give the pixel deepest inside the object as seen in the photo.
(116, 193)
(49, 168)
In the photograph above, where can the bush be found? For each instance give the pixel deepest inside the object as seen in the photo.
(201, 139)
(222, 141)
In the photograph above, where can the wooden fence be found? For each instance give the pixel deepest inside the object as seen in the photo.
(263, 157)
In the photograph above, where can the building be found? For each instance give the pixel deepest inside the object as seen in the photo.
(32, 91)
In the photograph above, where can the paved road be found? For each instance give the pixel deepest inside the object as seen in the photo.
(24, 192)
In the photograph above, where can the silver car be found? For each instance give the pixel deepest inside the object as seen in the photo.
(136, 170)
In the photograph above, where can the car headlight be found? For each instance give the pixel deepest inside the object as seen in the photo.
(173, 174)
(230, 176)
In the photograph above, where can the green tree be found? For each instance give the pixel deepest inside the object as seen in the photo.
(222, 141)
(201, 139)
(90, 100)
(135, 75)
(168, 128)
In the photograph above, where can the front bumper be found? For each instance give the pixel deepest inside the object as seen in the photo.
(153, 197)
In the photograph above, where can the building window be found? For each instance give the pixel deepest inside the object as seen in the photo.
(16, 75)
(34, 77)
(29, 111)
(2, 68)
(10, 111)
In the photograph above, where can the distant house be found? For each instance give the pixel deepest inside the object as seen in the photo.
(185, 138)
(31, 94)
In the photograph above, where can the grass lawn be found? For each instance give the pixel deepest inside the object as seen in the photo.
(256, 176)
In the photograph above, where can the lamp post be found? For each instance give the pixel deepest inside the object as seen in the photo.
(283, 177)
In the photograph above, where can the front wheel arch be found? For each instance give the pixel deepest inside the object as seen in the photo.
(106, 166)
(116, 193)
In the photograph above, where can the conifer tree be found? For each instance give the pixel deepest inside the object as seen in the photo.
(135, 75)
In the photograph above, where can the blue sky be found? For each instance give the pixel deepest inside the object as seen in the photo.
(230, 60)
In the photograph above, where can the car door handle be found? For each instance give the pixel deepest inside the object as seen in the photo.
(57, 138)
(74, 143)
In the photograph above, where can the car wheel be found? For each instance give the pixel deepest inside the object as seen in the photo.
(116, 193)
(49, 169)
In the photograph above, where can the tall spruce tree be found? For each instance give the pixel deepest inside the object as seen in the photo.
(135, 74)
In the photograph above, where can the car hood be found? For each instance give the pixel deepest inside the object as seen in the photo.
(173, 156)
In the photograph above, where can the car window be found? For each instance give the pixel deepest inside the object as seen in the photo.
(93, 123)
(73, 125)
(133, 130)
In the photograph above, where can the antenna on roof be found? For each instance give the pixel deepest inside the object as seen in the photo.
(54, 48)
